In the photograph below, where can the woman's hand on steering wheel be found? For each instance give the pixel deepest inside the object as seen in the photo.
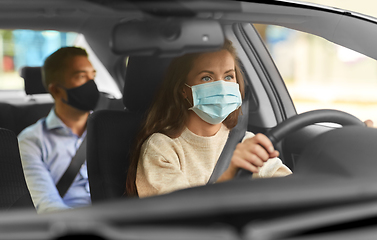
(250, 155)
(369, 123)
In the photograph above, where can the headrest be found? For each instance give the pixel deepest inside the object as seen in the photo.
(144, 76)
(33, 80)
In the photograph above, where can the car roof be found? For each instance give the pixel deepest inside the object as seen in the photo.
(96, 18)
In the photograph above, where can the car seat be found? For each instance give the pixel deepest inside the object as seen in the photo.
(13, 188)
(111, 134)
(18, 116)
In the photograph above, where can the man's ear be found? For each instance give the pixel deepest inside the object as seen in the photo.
(54, 90)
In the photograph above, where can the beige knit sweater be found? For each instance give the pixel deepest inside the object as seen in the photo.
(167, 164)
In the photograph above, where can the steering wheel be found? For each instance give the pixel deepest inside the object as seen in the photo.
(299, 121)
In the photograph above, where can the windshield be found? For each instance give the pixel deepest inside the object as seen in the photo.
(321, 74)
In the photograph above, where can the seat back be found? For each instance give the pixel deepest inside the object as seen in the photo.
(108, 148)
(13, 188)
(111, 134)
(16, 117)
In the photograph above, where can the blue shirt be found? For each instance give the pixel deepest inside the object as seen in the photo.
(46, 149)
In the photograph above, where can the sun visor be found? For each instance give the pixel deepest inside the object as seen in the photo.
(166, 38)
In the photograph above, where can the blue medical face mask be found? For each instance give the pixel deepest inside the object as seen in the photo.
(214, 101)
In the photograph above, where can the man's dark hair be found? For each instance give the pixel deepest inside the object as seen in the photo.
(55, 65)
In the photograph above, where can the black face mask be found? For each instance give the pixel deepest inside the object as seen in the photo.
(84, 97)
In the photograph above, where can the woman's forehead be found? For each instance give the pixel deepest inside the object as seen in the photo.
(214, 61)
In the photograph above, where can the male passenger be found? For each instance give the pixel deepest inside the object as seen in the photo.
(48, 146)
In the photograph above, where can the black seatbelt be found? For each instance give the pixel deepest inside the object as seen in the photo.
(78, 160)
(74, 167)
(235, 136)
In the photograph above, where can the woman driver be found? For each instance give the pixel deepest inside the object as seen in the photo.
(188, 126)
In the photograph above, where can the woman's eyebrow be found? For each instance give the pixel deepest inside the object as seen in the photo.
(230, 70)
(205, 71)
(210, 72)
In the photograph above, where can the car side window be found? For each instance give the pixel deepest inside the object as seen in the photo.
(320, 74)
(21, 47)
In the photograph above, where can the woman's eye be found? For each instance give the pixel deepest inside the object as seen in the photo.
(229, 77)
(206, 79)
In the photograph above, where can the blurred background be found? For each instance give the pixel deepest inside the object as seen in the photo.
(19, 48)
(318, 73)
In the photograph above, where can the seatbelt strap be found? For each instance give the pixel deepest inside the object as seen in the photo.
(74, 167)
(235, 136)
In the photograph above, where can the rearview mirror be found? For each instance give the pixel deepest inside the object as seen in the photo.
(170, 38)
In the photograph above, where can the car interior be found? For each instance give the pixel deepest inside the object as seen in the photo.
(263, 80)
(137, 63)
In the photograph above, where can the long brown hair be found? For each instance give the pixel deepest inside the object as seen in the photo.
(169, 112)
